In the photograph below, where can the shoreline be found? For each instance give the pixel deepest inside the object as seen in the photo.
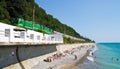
(70, 61)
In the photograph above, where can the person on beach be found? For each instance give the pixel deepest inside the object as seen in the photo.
(92, 53)
(75, 56)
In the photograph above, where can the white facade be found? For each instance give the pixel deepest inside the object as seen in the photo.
(16, 35)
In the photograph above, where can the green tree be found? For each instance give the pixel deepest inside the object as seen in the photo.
(11, 9)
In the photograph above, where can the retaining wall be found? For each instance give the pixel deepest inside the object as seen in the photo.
(25, 57)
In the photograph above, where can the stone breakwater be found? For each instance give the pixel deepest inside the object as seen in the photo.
(41, 57)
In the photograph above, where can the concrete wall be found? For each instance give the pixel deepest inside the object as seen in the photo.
(25, 57)
(7, 56)
(14, 57)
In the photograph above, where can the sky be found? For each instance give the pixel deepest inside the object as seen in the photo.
(98, 20)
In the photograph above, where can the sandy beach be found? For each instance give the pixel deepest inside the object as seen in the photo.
(67, 59)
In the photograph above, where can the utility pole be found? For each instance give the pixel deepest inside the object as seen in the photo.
(33, 18)
(64, 29)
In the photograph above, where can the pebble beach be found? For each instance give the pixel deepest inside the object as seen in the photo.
(66, 59)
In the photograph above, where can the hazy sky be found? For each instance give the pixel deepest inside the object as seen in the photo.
(96, 19)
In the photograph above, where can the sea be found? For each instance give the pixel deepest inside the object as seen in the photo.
(107, 56)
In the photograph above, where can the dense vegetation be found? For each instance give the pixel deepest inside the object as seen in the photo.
(11, 9)
(68, 40)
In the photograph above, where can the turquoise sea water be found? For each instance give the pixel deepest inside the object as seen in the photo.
(106, 57)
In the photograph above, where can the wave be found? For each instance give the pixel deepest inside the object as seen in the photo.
(90, 58)
(92, 51)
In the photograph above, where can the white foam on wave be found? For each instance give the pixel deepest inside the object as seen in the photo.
(90, 56)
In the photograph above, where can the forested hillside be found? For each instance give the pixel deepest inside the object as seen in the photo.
(10, 9)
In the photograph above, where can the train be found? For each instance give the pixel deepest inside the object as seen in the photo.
(23, 33)
(31, 25)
